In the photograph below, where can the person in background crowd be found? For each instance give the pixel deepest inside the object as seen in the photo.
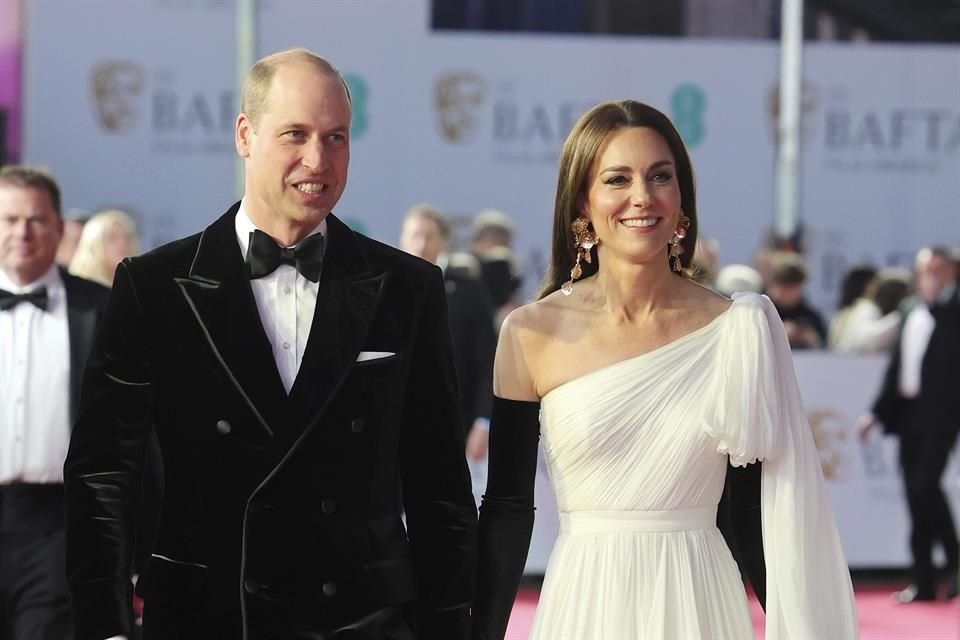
(738, 278)
(868, 318)
(108, 237)
(853, 289)
(804, 324)
(706, 262)
(47, 323)
(73, 221)
(426, 233)
(891, 288)
(762, 262)
(299, 379)
(491, 241)
(919, 403)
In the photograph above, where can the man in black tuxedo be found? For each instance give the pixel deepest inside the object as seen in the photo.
(47, 324)
(919, 402)
(299, 380)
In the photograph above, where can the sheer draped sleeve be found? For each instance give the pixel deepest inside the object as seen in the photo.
(759, 415)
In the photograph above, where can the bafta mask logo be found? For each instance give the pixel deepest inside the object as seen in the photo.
(809, 102)
(830, 432)
(116, 86)
(457, 96)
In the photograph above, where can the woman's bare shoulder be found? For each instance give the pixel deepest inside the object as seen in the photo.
(524, 335)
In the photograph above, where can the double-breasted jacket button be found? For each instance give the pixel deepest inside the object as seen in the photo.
(329, 589)
(357, 425)
(224, 427)
(328, 506)
(251, 586)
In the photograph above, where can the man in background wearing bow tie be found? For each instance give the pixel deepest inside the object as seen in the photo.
(47, 323)
(300, 382)
(919, 402)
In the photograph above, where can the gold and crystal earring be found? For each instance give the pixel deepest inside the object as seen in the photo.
(676, 249)
(584, 239)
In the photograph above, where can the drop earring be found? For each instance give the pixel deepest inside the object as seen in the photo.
(584, 239)
(676, 249)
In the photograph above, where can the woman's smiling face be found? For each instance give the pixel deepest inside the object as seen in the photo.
(633, 196)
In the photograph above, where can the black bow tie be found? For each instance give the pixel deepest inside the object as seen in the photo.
(38, 297)
(264, 256)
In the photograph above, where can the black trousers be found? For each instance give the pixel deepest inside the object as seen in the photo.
(924, 451)
(34, 597)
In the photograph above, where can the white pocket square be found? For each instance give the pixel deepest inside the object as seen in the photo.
(374, 355)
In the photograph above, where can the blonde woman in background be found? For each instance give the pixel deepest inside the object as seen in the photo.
(107, 238)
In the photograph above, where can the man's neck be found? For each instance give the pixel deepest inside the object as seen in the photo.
(20, 280)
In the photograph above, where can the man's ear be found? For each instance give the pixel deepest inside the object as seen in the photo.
(243, 135)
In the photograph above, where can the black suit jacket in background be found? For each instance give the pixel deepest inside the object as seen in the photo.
(281, 514)
(474, 343)
(938, 406)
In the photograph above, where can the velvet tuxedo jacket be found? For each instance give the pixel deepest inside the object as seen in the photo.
(281, 514)
(85, 302)
(938, 405)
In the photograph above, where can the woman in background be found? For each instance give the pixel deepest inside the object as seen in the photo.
(107, 238)
(645, 384)
(868, 316)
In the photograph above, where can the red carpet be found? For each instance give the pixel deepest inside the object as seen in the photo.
(880, 619)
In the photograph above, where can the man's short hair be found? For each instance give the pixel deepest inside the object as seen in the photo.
(27, 177)
(492, 221)
(787, 268)
(430, 212)
(256, 88)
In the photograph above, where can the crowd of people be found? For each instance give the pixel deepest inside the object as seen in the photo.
(281, 421)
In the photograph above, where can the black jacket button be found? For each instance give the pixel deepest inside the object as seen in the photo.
(251, 586)
(329, 588)
(357, 425)
(223, 427)
(328, 506)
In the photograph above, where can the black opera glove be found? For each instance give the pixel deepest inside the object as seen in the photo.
(739, 518)
(506, 514)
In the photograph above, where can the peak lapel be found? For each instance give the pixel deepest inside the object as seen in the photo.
(218, 293)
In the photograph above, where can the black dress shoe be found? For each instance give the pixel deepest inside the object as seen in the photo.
(952, 589)
(913, 593)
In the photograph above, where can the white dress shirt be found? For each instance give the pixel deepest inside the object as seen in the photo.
(286, 302)
(34, 384)
(916, 336)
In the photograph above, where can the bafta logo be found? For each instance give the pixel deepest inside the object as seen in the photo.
(457, 96)
(116, 85)
(829, 435)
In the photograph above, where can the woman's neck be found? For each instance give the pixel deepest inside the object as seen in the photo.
(632, 291)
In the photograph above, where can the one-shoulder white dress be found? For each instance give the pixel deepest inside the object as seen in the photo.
(637, 454)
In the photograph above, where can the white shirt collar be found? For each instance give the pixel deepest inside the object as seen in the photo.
(244, 227)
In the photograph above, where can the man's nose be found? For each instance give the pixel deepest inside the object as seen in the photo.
(315, 156)
(22, 229)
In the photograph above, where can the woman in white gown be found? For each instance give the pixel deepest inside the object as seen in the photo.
(643, 385)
